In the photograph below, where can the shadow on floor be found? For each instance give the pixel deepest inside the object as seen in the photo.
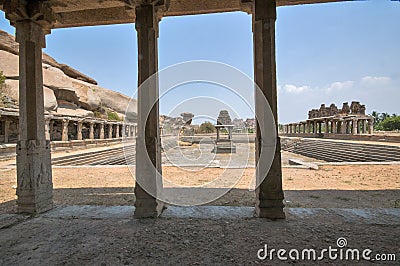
(113, 196)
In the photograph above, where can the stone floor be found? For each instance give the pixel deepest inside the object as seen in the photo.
(208, 235)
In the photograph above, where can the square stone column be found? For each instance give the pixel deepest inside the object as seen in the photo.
(269, 194)
(370, 126)
(91, 130)
(355, 126)
(326, 131)
(110, 131)
(117, 131)
(334, 130)
(64, 135)
(148, 144)
(34, 175)
(101, 134)
(47, 128)
(343, 127)
(364, 125)
(7, 131)
(79, 127)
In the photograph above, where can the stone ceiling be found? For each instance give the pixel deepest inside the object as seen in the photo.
(75, 13)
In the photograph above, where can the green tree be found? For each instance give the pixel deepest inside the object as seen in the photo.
(390, 123)
(375, 114)
(207, 127)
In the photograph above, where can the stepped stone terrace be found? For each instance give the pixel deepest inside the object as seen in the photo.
(350, 120)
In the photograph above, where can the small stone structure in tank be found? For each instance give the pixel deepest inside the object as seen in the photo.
(224, 145)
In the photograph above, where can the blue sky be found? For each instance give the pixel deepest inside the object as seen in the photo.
(326, 53)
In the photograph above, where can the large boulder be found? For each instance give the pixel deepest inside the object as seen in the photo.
(50, 100)
(9, 45)
(12, 90)
(55, 78)
(87, 95)
(9, 64)
(74, 112)
(118, 102)
(66, 90)
(73, 73)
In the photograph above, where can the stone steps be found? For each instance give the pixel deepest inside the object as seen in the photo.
(349, 152)
(336, 151)
(106, 157)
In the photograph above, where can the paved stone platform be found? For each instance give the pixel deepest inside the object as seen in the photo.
(203, 235)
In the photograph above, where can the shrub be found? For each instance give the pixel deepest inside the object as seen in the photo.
(113, 116)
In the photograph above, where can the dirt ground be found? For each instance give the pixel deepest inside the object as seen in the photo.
(350, 186)
(176, 241)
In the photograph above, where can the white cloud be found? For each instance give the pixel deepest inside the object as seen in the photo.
(340, 85)
(375, 80)
(296, 89)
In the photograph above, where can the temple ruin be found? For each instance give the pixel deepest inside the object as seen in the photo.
(333, 121)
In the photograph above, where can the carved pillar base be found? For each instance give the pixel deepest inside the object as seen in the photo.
(35, 186)
(269, 195)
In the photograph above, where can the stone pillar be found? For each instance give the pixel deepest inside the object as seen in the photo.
(34, 176)
(47, 128)
(334, 130)
(51, 129)
(148, 145)
(79, 127)
(315, 127)
(6, 131)
(127, 131)
(91, 130)
(364, 122)
(101, 134)
(370, 126)
(64, 136)
(355, 126)
(269, 194)
(343, 127)
(326, 131)
(110, 131)
(117, 131)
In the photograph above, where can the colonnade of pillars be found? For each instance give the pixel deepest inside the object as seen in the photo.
(347, 126)
(114, 130)
(34, 20)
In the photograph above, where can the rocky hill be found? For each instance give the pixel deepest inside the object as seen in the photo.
(66, 90)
